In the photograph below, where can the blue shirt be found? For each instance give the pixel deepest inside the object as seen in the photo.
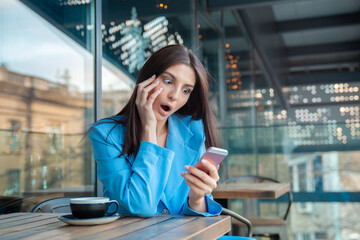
(152, 184)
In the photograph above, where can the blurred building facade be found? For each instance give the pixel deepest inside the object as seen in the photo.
(37, 119)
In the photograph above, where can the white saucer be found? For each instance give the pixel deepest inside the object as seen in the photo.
(70, 219)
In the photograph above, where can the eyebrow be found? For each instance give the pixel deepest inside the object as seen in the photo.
(173, 77)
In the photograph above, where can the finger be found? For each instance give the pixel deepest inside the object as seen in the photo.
(197, 190)
(149, 87)
(212, 170)
(203, 176)
(142, 85)
(198, 173)
(144, 92)
(154, 95)
(197, 182)
(147, 81)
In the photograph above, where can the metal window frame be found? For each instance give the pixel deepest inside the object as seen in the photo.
(97, 50)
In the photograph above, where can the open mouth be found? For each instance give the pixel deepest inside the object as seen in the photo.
(166, 108)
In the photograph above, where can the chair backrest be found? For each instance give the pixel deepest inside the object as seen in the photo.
(10, 204)
(240, 218)
(259, 179)
(55, 205)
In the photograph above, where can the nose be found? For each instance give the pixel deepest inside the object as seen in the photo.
(174, 95)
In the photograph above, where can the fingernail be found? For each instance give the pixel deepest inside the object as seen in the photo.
(160, 89)
(157, 81)
(187, 167)
(203, 161)
(182, 173)
(153, 76)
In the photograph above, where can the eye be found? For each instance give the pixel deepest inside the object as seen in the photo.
(187, 90)
(167, 81)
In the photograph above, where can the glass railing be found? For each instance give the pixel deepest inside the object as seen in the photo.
(313, 158)
(294, 138)
(320, 161)
(44, 165)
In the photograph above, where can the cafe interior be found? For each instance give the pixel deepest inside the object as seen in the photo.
(284, 85)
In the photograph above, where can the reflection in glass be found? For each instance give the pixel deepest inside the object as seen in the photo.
(46, 91)
(131, 33)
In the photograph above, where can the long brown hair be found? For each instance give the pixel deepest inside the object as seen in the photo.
(198, 106)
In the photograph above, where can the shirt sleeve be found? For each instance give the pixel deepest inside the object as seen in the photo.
(137, 187)
(213, 208)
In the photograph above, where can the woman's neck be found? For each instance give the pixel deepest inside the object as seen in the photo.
(161, 134)
(161, 128)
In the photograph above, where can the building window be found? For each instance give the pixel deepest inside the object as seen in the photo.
(14, 137)
(321, 235)
(318, 179)
(306, 236)
(13, 180)
(55, 138)
(303, 236)
(307, 177)
(302, 177)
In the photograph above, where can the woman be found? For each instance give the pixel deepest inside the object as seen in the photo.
(165, 127)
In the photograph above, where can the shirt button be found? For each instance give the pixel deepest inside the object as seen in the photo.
(165, 211)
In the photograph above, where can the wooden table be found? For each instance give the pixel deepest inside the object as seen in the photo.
(46, 226)
(251, 190)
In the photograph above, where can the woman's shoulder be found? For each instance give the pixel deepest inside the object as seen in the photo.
(113, 125)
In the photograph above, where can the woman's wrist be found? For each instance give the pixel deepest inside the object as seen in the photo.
(149, 134)
(198, 205)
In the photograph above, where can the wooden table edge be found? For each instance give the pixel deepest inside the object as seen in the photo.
(251, 193)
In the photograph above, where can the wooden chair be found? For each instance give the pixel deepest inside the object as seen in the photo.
(272, 227)
(55, 205)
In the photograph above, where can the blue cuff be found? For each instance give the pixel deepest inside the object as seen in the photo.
(213, 208)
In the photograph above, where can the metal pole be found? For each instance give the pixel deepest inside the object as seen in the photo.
(222, 83)
(194, 28)
(97, 75)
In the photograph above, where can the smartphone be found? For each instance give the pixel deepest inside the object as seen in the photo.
(213, 155)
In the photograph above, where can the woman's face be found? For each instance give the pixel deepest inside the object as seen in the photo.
(178, 82)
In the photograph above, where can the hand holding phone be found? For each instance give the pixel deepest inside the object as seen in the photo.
(213, 155)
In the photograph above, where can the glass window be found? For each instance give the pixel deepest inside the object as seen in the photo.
(321, 235)
(295, 236)
(132, 31)
(306, 236)
(13, 182)
(313, 144)
(302, 177)
(46, 91)
(14, 146)
(210, 47)
(318, 179)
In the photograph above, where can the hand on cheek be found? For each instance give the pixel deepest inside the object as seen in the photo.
(147, 92)
(200, 184)
(145, 97)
